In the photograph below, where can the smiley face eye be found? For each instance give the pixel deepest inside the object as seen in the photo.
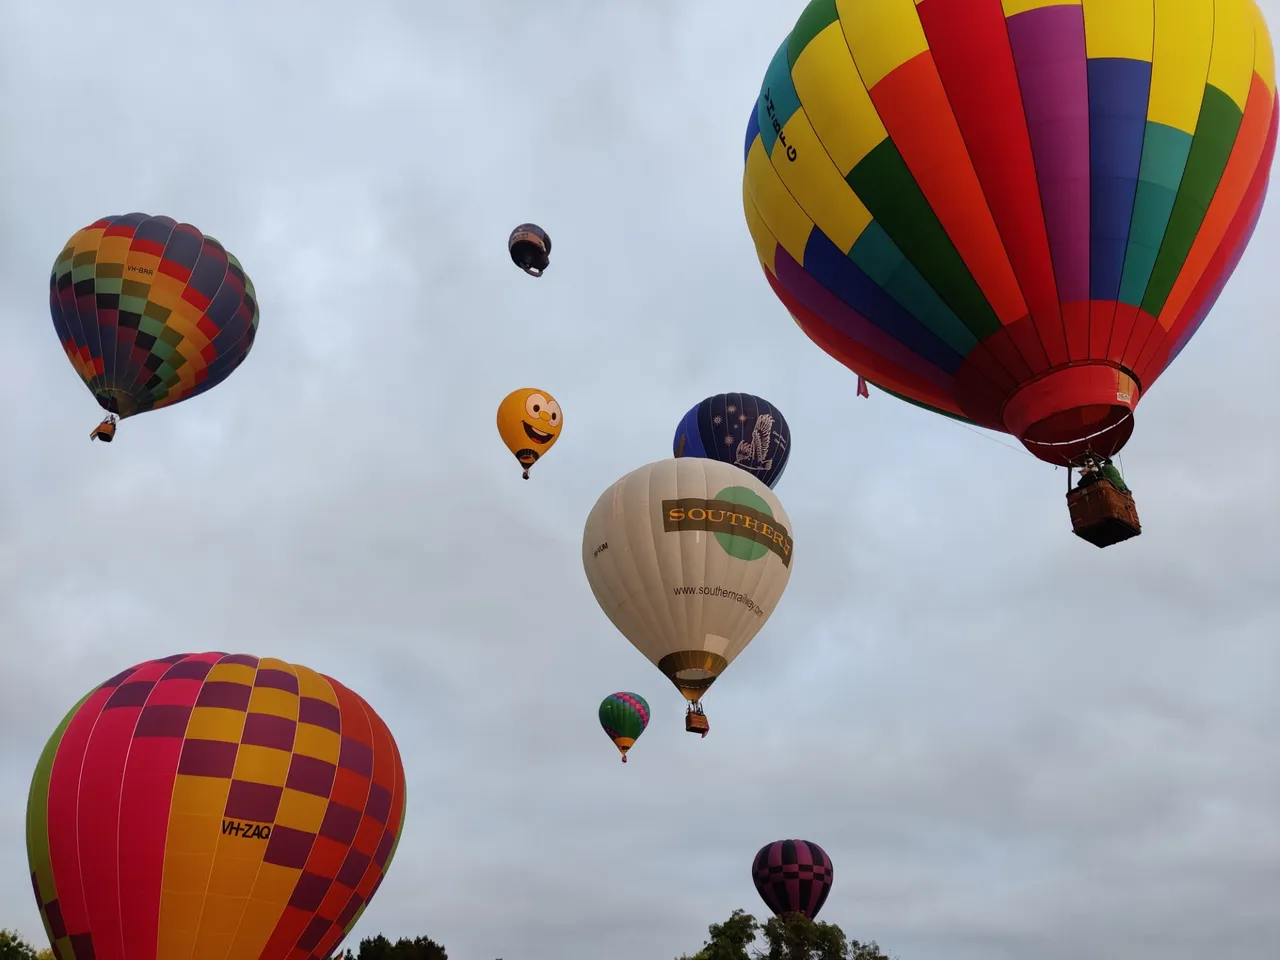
(553, 410)
(534, 404)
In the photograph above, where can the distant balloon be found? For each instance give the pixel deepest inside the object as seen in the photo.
(738, 428)
(529, 423)
(624, 717)
(793, 876)
(150, 312)
(530, 249)
(688, 558)
(210, 805)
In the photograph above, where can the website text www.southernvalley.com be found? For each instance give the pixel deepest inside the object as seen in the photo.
(705, 591)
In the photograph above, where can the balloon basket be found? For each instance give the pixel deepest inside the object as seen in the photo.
(105, 431)
(696, 723)
(1102, 514)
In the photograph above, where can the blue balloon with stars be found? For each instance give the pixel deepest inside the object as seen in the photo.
(740, 429)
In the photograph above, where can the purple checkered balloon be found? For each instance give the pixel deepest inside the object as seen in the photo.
(792, 876)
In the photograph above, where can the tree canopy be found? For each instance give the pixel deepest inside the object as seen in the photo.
(13, 947)
(793, 937)
(380, 948)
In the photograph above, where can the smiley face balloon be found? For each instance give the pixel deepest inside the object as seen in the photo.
(529, 422)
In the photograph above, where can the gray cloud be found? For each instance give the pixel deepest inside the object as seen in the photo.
(1012, 744)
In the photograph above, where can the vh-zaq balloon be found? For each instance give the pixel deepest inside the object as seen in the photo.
(150, 312)
(529, 423)
(688, 558)
(623, 716)
(207, 805)
(792, 876)
(1017, 220)
(738, 428)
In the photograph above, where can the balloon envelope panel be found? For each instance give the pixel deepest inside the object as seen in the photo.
(150, 311)
(1014, 219)
(212, 805)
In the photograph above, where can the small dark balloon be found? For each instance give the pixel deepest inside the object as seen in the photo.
(530, 248)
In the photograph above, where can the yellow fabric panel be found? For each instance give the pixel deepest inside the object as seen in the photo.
(233, 873)
(1183, 40)
(777, 207)
(262, 912)
(194, 833)
(179, 918)
(277, 703)
(1264, 63)
(199, 796)
(1122, 29)
(1013, 7)
(232, 673)
(215, 723)
(217, 926)
(838, 105)
(766, 243)
(113, 249)
(816, 185)
(313, 685)
(1231, 66)
(883, 35)
(317, 742)
(301, 811)
(262, 765)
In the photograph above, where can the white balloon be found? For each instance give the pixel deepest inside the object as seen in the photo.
(688, 557)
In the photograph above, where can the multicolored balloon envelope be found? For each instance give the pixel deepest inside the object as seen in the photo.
(624, 717)
(738, 428)
(150, 312)
(212, 806)
(1015, 214)
(792, 876)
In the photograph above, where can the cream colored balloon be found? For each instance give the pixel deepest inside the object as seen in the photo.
(688, 557)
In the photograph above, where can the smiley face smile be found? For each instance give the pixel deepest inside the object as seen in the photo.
(537, 436)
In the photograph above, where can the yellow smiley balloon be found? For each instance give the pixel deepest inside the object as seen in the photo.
(529, 422)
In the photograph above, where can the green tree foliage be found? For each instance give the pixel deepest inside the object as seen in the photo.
(380, 948)
(793, 937)
(13, 947)
(729, 940)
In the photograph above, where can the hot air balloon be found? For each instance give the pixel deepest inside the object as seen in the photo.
(624, 717)
(1016, 220)
(688, 558)
(150, 312)
(207, 805)
(792, 876)
(529, 423)
(530, 249)
(738, 428)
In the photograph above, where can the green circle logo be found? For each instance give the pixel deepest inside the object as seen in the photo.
(743, 548)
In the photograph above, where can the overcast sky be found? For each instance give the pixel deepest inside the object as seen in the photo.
(1013, 745)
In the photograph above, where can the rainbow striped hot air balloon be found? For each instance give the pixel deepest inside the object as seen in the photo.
(1016, 214)
(212, 806)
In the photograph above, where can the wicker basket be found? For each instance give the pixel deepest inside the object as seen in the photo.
(1102, 514)
(696, 723)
